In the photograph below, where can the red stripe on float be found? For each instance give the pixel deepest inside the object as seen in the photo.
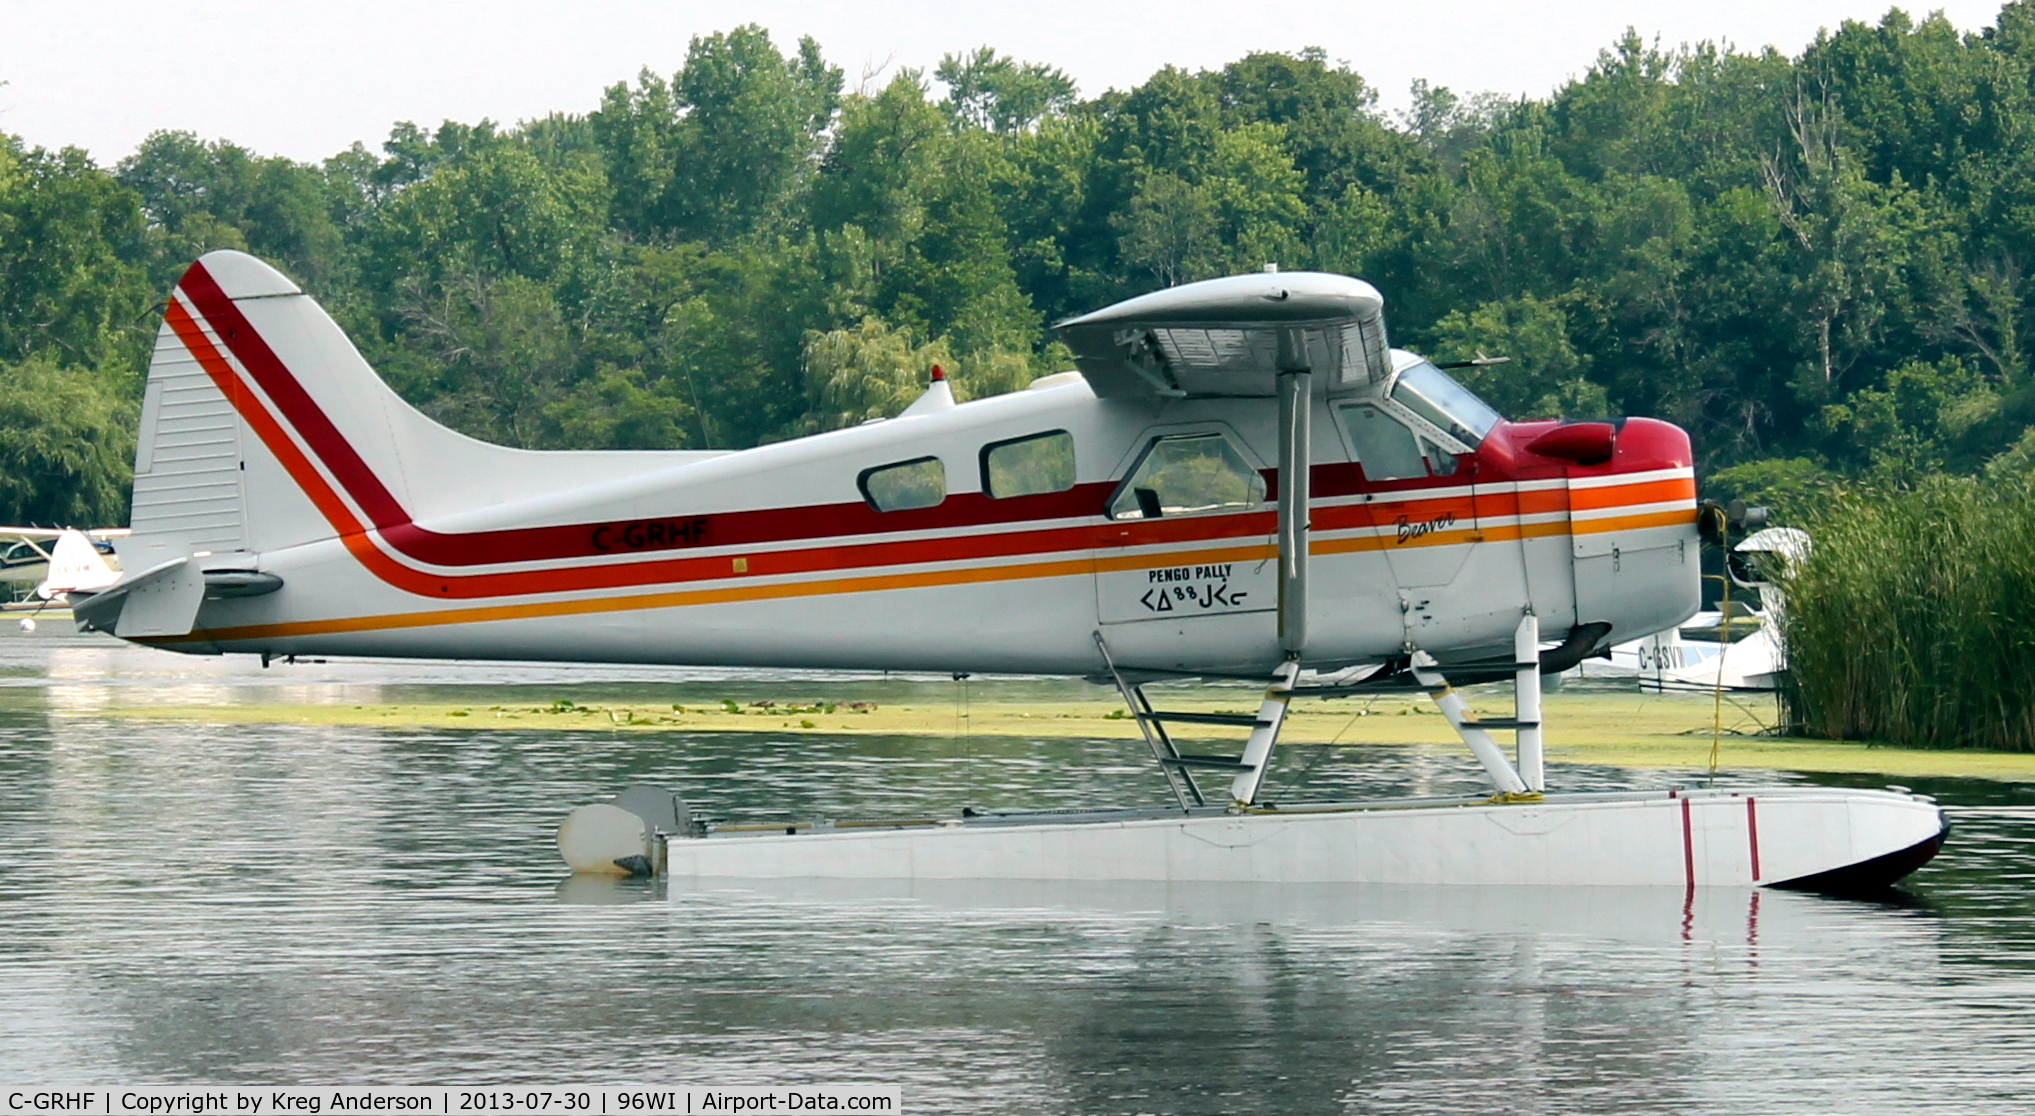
(1688, 847)
(1752, 834)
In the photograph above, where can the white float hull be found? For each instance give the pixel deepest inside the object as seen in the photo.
(1777, 835)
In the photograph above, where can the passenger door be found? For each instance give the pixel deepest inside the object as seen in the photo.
(1185, 568)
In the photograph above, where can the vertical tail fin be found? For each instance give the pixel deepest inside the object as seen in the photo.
(263, 428)
(75, 565)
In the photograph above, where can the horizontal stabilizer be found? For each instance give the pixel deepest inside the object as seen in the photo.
(162, 600)
(1231, 337)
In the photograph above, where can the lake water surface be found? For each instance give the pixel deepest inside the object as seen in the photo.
(315, 905)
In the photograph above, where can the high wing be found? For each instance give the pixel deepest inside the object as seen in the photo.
(51, 534)
(1232, 336)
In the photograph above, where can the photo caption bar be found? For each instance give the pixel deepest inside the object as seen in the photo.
(524, 1100)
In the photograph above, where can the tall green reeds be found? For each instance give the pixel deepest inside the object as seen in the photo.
(1913, 620)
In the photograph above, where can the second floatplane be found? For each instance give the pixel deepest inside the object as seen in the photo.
(1241, 480)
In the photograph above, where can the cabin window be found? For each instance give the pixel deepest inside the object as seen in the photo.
(1029, 466)
(918, 483)
(1385, 448)
(1186, 474)
(23, 553)
(1428, 392)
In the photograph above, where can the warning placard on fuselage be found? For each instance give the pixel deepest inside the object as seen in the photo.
(1169, 592)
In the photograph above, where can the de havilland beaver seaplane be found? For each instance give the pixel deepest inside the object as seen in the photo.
(1242, 480)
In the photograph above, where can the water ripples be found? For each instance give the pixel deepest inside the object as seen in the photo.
(300, 904)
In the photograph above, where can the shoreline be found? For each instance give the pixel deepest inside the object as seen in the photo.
(1621, 729)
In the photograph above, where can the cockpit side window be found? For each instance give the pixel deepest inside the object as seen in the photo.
(1385, 448)
(918, 483)
(1187, 474)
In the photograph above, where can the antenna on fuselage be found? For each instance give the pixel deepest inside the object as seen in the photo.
(1481, 361)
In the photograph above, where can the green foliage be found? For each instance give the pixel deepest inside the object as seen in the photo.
(991, 91)
(71, 244)
(866, 372)
(1910, 623)
(1792, 489)
(1544, 378)
(614, 410)
(1916, 422)
(66, 446)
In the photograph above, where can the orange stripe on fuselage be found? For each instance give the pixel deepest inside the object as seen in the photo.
(725, 595)
(1673, 518)
(875, 583)
(1641, 492)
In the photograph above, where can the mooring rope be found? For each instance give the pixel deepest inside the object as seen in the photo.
(964, 728)
(1723, 646)
(1321, 750)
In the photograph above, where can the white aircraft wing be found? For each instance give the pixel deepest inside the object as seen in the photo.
(1232, 336)
(50, 534)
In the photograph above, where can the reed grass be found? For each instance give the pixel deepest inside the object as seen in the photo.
(1912, 623)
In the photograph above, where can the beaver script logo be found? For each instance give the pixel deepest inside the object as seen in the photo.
(1409, 530)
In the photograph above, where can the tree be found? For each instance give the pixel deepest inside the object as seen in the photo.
(66, 445)
(752, 132)
(199, 196)
(1545, 375)
(995, 92)
(71, 244)
(1170, 229)
(869, 371)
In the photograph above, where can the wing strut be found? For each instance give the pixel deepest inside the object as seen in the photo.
(1296, 455)
(1296, 420)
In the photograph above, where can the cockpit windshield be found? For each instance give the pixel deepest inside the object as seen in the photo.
(1428, 392)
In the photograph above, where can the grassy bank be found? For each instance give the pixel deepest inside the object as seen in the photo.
(1622, 729)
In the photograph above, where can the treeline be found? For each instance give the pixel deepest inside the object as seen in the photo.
(1818, 264)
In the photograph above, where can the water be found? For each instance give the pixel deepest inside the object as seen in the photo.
(304, 904)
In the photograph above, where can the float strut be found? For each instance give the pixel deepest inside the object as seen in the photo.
(1526, 701)
(1257, 757)
(1426, 671)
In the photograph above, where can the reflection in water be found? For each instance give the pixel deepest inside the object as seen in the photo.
(305, 904)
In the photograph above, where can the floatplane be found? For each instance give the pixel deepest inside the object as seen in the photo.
(54, 562)
(1241, 479)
